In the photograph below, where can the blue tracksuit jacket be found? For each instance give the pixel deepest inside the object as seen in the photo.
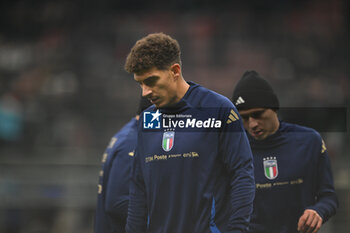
(113, 195)
(193, 181)
(292, 173)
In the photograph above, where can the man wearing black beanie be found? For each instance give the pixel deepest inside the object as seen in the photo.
(254, 96)
(294, 184)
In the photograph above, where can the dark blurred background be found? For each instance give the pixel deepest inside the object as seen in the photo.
(64, 93)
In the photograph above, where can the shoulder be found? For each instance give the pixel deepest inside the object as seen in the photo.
(125, 130)
(299, 128)
(219, 107)
(122, 134)
(208, 98)
(309, 137)
(302, 133)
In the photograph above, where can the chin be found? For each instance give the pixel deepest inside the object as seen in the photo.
(163, 105)
(259, 138)
(262, 137)
(159, 105)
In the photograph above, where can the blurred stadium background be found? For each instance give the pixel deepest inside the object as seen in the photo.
(64, 93)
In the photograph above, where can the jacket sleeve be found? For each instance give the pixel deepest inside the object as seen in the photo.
(101, 219)
(326, 198)
(237, 157)
(137, 210)
(117, 198)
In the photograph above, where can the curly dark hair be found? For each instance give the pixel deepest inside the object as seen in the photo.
(155, 50)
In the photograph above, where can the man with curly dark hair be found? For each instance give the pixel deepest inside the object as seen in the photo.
(153, 60)
(186, 178)
(156, 50)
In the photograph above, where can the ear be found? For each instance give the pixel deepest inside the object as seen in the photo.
(176, 70)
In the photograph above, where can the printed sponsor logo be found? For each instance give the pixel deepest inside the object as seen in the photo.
(157, 120)
(151, 120)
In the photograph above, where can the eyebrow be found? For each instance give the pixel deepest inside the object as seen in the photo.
(259, 113)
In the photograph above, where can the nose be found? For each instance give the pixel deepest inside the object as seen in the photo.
(146, 91)
(252, 123)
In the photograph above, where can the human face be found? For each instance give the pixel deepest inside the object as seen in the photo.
(260, 122)
(159, 86)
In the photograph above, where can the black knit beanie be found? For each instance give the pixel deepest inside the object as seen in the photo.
(252, 91)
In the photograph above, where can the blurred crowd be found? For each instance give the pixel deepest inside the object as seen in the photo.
(64, 93)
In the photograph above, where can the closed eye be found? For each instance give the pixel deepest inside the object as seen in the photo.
(151, 81)
(255, 115)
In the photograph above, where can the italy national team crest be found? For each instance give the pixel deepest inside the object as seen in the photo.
(270, 168)
(168, 140)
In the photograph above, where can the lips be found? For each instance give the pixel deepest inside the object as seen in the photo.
(153, 100)
(257, 133)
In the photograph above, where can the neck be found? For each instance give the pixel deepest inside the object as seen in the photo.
(182, 88)
(276, 124)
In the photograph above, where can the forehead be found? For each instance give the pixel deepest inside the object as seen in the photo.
(251, 110)
(153, 72)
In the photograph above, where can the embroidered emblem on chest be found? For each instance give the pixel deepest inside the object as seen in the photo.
(270, 167)
(168, 140)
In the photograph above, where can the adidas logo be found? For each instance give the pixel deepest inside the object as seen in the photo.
(232, 117)
(240, 100)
